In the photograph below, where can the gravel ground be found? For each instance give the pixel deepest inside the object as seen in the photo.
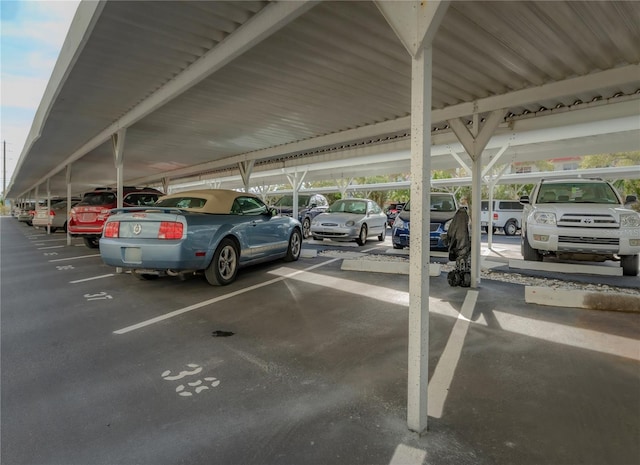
(508, 277)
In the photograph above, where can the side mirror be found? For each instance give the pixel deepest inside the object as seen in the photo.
(524, 200)
(273, 211)
(630, 199)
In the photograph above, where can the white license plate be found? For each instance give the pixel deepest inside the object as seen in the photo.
(132, 255)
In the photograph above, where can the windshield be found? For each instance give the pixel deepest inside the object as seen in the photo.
(349, 206)
(442, 203)
(287, 201)
(98, 198)
(577, 192)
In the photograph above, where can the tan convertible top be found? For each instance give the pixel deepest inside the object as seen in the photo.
(217, 200)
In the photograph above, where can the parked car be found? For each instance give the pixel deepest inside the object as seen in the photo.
(56, 216)
(580, 219)
(24, 212)
(88, 216)
(350, 220)
(443, 208)
(309, 206)
(392, 211)
(507, 216)
(214, 230)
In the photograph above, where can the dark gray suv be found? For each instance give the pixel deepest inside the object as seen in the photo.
(309, 205)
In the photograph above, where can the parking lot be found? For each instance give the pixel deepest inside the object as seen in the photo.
(299, 363)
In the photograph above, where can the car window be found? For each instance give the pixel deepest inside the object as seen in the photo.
(142, 199)
(248, 206)
(442, 203)
(287, 201)
(182, 202)
(577, 192)
(98, 198)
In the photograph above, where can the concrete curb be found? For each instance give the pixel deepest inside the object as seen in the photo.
(565, 267)
(374, 266)
(574, 298)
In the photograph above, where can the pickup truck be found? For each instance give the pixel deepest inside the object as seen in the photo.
(580, 219)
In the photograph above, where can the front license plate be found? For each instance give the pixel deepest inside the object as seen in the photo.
(132, 255)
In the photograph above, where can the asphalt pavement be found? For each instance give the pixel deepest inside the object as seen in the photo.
(297, 363)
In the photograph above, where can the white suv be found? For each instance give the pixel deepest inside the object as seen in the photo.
(580, 219)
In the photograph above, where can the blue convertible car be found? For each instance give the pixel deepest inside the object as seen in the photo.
(214, 230)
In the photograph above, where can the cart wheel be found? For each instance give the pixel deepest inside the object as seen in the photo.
(453, 278)
(466, 279)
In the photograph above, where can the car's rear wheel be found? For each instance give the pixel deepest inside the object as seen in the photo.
(510, 228)
(306, 228)
(224, 267)
(629, 264)
(91, 242)
(397, 246)
(528, 252)
(383, 234)
(362, 237)
(295, 246)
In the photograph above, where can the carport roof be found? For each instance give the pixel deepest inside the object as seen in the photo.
(202, 86)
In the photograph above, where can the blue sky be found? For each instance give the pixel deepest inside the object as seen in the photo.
(31, 36)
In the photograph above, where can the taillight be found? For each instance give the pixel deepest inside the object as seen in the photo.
(52, 213)
(72, 213)
(495, 216)
(104, 213)
(170, 230)
(112, 229)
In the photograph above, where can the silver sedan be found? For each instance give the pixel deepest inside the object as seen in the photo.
(350, 220)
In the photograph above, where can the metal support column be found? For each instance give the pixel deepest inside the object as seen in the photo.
(68, 180)
(118, 140)
(246, 167)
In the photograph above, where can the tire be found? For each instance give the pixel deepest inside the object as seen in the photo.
(397, 246)
(316, 238)
(91, 242)
(383, 234)
(362, 237)
(295, 246)
(465, 279)
(510, 228)
(529, 253)
(64, 228)
(224, 267)
(52, 230)
(306, 228)
(629, 264)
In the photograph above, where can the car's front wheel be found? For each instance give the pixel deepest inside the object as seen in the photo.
(362, 237)
(295, 246)
(224, 267)
(528, 252)
(629, 264)
(306, 228)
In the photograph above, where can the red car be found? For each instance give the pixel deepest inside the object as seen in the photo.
(87, 218)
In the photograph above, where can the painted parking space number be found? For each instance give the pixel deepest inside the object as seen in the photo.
(98, 296)
(188, 388)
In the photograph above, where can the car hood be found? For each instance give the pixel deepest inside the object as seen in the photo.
(583, 209)
(339, 218)
(436, 216)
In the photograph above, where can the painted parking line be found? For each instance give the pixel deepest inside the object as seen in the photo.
(91, 279)
(190, 308)
(443, 374)
(50, 247)
(73, 258)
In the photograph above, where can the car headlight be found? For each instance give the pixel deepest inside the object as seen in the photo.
(631, 220)
(398, 223)
(445, 227)
(350, 223)
(544, 218)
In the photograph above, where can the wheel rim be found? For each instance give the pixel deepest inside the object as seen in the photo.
(295, 245)
(306, 228)
(227, 262)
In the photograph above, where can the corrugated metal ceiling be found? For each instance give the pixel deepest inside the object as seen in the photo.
(337, 67)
